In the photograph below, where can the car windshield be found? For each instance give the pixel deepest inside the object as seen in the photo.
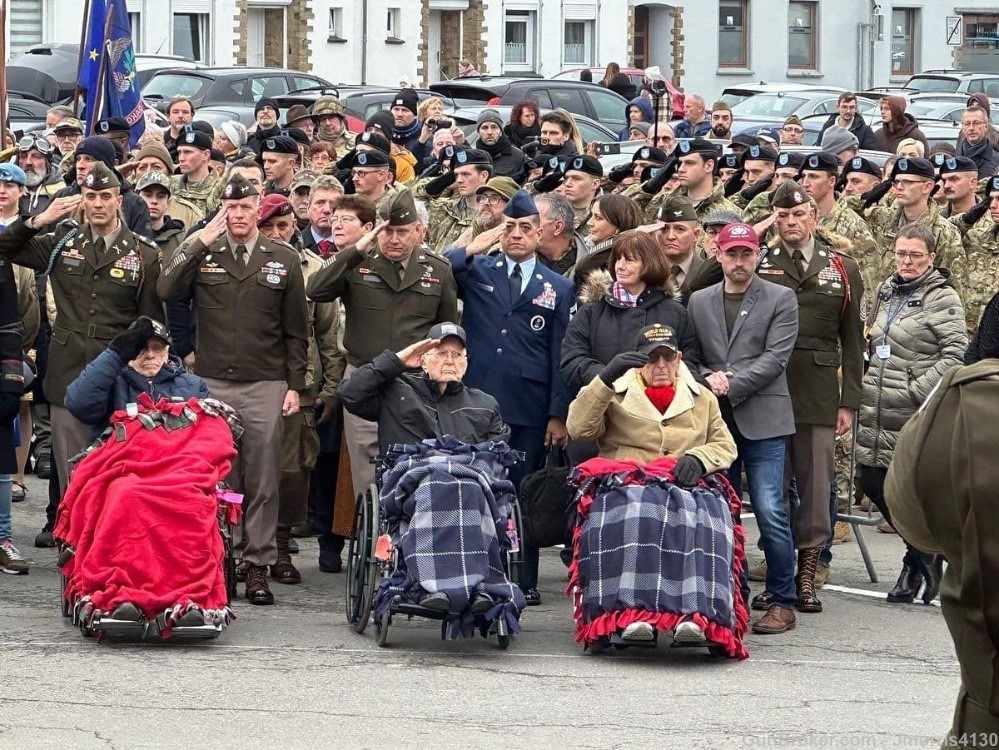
(932, 84)
(169, 85)
(767, 105)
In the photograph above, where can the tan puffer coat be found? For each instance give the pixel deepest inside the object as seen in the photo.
(927, 337)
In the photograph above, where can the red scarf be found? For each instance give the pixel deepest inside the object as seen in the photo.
(660, 397)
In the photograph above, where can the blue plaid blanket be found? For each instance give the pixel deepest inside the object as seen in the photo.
(447, 505)
(657, 547)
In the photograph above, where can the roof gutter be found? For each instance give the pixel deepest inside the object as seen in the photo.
(364, 42)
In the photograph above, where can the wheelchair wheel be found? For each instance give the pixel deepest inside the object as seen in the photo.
(362, 567)
(382, 628)
(515, 558)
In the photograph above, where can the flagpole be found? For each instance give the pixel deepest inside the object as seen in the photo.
(3, 68)
(79, 60)
(102, 68)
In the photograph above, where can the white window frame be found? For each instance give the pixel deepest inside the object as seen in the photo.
(336, 25)
(529, 19)
(393, 24)
(135, 22)
(588, 56)
(204, 32)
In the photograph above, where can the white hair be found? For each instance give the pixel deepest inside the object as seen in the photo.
(422, 214)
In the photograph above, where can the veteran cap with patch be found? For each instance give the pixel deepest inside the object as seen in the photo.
(914, 167)
(400, 209)
(823, 161)
(676, 208)
(70, 123)
(303, 179)
(153, 178)
(101, 177)
(195, 139)
(160, 331)
(789, 195)
(654, 337)
(443, 331)
(238, 187)
(737, 235)
(521, 205)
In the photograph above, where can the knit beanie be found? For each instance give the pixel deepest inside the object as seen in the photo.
(158, 151)
(99, 148)
(235, 132)
(407, 98)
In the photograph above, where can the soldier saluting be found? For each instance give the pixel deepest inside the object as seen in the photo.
(103, 277)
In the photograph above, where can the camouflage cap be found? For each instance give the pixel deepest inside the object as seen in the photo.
(238, 187)
(326, 106)
(100, 177)
(789, 195)
(399, 210)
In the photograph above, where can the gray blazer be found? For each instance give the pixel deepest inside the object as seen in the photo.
(757, 352)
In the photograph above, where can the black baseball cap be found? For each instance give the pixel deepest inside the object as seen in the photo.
(443, 331)
(655, 336)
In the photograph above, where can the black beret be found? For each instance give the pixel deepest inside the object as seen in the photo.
(913, 165)
(279, 144)
(823, 161)
(860, 164)
(298, 135)
(992, 185)
(375, 140)
(371, 159)
(792, 159)
(759, 153)
(112, 125)
(587, 164)
(697, 146)
(464, 157)
(649, 153)
(730, 161)
(195, 139)
(203, 127)
(745, 139)
(956, 164)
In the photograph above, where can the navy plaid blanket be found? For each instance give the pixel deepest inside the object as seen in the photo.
(657, 547)
(447, 505)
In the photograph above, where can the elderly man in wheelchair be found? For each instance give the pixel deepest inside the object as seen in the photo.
(445, 501)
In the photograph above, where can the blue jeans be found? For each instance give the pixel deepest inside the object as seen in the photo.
(6, 531)
(763, 461)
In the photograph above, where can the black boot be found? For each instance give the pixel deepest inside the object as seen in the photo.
(932, 569)
(909, 580)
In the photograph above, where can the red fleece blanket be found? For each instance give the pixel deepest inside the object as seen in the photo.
(587, 476)
(141, 513)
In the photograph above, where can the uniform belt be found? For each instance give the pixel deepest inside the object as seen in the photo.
(812, 344)
(90, 330)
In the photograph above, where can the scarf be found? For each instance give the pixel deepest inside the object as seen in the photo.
(521, 135)
(659, 396)
(623, 296)
(498, 149)
(404, 135)
(978, 152)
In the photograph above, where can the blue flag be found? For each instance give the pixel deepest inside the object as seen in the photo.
(109, 37)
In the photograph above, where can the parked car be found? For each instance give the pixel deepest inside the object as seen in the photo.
(147, 65)
(359, 101)
(25, 112)
(466, 118)
(772, 109)
(212, 87)
(577, 97)
(954, 82)
(637, 77)
(734, 95)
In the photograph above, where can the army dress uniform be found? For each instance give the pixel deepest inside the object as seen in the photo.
(100, 285)
(830, 335)
(389, 305)
(252, 344)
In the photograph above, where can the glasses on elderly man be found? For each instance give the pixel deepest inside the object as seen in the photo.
(447, 355)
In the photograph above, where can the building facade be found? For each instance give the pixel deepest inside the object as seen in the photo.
(702, 45)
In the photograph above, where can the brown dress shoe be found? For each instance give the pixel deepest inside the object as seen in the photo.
(778, 619)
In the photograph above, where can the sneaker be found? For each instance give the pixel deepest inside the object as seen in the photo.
(641, 632)
(11, 561)
(689, 631)
(821, 575)
(841, 533)
(533, 597)
(758, 572)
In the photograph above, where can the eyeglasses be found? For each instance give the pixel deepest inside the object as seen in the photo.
(365, 172)
(449, 356)
(490, 199)
(914, 257)
(345, 219)
(666, 356)
(794, 131)
(897, 184)
(29, 142)
(974, 123)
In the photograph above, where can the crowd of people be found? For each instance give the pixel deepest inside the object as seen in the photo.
(296, 271)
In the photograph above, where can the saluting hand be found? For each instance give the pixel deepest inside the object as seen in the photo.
(485, 240)
(58, 210)
(368, 240)
(412, 355)
(215, 228)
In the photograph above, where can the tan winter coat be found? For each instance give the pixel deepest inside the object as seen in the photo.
(926, 338)
(626, 426)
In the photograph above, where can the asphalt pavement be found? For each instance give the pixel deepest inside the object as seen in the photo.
(862, 674)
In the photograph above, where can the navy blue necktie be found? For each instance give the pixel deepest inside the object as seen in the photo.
(516, 280)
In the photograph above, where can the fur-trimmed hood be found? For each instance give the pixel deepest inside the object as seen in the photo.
(599, 286)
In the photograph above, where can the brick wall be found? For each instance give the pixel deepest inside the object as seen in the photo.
(677, 46)
(631, 37)
(473, 44)
(424, 64)
(298, 42)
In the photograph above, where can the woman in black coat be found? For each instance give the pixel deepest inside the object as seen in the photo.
(11, 387)
(618, 304)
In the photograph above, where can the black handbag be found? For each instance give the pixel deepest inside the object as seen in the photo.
(544, 500)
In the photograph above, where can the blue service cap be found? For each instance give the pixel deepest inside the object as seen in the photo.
(13, 173)
(520, 206)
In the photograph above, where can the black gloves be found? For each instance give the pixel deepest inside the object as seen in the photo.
(980, 209)
(873, 196)
(621, 172)
(620, 365)
(132, 340)
(688, 470)
(549, 182)
(753, 190)
(439, 184)
(734, 184)
(664, 175)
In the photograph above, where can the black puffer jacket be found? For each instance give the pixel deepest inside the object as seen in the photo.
(409, 407)
(603, 328)
(508, 160)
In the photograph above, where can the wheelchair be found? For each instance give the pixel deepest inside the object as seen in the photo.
(99, 624)
(373, 556)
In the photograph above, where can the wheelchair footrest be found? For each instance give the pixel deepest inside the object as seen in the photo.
(404, 608)
(110, 626)
(619, 642)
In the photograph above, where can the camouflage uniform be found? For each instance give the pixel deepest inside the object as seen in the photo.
(342, 143)
(885, 222)
(863, 248)
(449, 217)
(977, 271)
(582, 219)
(716, 201)
(205, 195)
